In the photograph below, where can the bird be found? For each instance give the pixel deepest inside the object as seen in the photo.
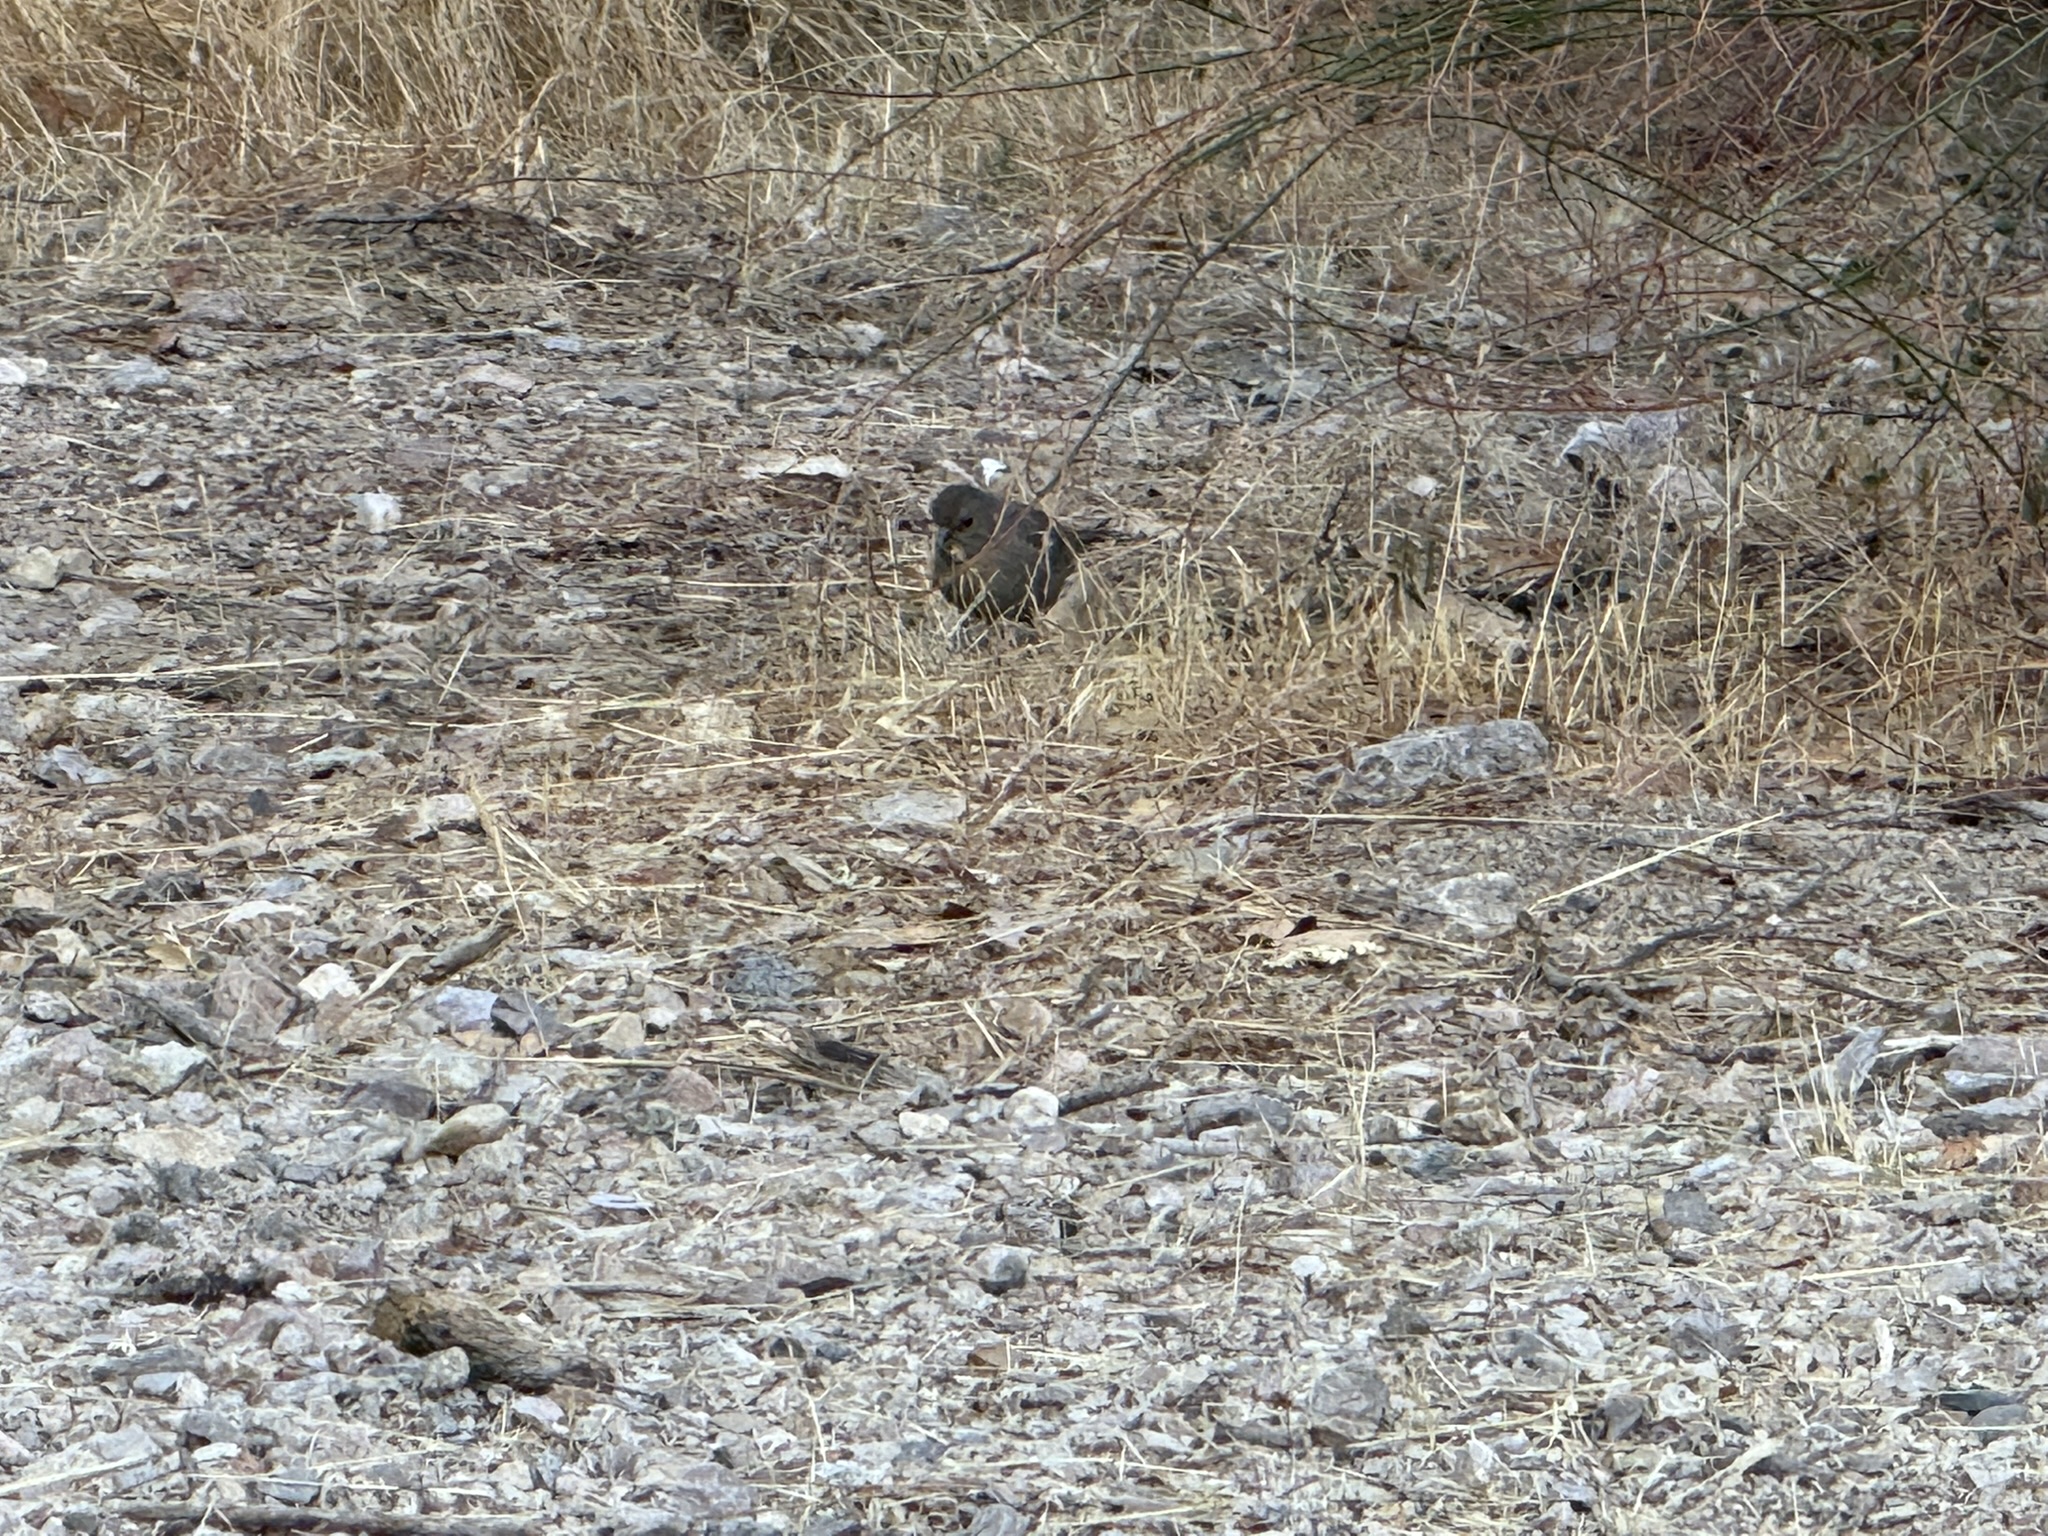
(998, 559)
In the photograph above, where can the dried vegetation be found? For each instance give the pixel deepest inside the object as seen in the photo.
(550, 984)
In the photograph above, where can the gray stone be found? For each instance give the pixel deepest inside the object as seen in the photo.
(1347, 1403)
(923, 810)
(444, 1371)
(250, 1005)
(1240, 1108)
(66, 767)
(161, 1069)
(1000, 1270)
(1483, 904)
(631, 392)
(133, 377)
(763, 975)
(36, 569)
(1419, 761)
(294, 1485)
(214, 306)
(47, 1007)
(2006, 1058)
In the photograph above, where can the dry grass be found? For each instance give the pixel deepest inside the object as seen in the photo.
(1821, 235)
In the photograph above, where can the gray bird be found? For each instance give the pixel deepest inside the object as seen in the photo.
(996, 559)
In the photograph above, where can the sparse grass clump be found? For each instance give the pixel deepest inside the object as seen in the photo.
(1821, 237)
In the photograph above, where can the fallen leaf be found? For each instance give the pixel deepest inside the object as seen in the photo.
(990, 1359)
(169, 954)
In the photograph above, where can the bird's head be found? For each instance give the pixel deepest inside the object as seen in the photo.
(960, 509)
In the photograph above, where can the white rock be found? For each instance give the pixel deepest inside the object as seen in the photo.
(376, 511)
(929, 809)
(1409, 764)
(864, 339)
(442, 813)
(492, 376)
(329, 980)
(775, 466)
(1485, 904)
(920, 1125)
(1032, 1109)
(164, 1068)
(35, 568)
(168, 1146)
(17, 371)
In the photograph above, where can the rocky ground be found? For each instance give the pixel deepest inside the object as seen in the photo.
(520, 1014)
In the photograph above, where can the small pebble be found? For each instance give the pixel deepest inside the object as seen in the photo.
(1000, 1270)
(1032, 1109)
(134, 377)
(631, 392)
(444, 1371)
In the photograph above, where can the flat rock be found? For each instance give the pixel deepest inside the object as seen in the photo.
(163, 1068)
(36, 569)
(132, 378)
(1413, 764)
(631, 392)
